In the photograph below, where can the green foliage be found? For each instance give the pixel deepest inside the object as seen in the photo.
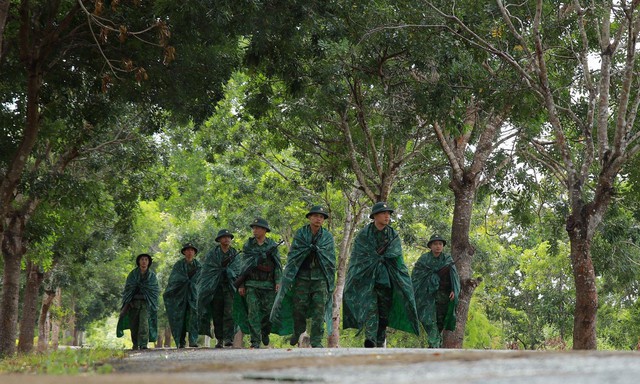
(480, 332)
(101, 334)
(63, 362)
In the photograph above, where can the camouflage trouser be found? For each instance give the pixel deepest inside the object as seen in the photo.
(309, 300)
(222, 311)
(139, 323)
(189, 324)
(435, 326)
(375, 327)
(259, 303)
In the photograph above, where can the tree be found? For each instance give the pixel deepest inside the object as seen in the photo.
(70, 67)
(591, 131)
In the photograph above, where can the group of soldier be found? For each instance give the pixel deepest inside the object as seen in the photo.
(249, 290)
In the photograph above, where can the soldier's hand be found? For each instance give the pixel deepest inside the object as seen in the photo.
(242, 291)
(452, 296)
(277, 287)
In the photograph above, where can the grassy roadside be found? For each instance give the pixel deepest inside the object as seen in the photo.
(63, 362)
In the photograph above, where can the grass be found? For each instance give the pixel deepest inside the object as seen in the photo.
(63, 362)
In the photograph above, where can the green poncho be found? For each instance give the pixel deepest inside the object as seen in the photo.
(252, 254)
(212, 273)
(151, 290)
(426, 283)
(282, 311)
(365, 268)
(181, 296)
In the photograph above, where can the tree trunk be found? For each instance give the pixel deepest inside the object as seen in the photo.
(12, 252)
(167, 337)
(585, 316)
(351, 218)
(462, 253)
(72, 324)
(4, 15)
(9, 309)
(55, 322)
(160, 340)
(43, 324)
(29, 307)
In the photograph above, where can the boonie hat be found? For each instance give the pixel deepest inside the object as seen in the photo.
(380, 207)
(187, 246)
(223, 232)
(436, 237)
(260, 222)
(144, 255)
(318, 209)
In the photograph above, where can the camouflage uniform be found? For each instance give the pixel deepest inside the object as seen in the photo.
(433, 279)
(260, 287)
(139, 310)
(307, 282)
(180, 300)
(378, 292)
(215, 293)
(310, 295)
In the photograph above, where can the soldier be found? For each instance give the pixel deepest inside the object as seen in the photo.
(139, 311)
(215, 290)
(377, 276)
(180, 297)
(437, 286)
(257, 284)
(307, 282)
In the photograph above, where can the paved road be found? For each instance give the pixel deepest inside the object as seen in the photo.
(357, 365)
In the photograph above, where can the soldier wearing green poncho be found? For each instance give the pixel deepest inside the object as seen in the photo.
(257, 283)
(139, 311)
(180, 298)
(437, 286)
(215, 290)
(307, 282)
(378, 291)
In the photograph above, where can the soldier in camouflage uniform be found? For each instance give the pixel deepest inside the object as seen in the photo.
(378, 291)
(180, 297)
(215, 290)
(261, 271)
(437, 286)
(307, 282)
(139, 311)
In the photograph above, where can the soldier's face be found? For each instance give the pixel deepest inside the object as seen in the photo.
(382, 218)
(259, 232)
(144, 263)
(436, 247)
(316, 220)
(225, 241)
(189, 253)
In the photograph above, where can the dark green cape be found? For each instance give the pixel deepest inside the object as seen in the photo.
(361, 278)
(211, 275)
(180, 296)
(151, 291)
(425, 284)
(282, 311)
(249, 261)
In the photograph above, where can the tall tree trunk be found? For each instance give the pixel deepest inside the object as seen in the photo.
(4, 15)
(43, 324)
(12, 251)
(35, 276)
(350, 224)
(72, 324)
(462, 253)
(55, 322)
(585, 316)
